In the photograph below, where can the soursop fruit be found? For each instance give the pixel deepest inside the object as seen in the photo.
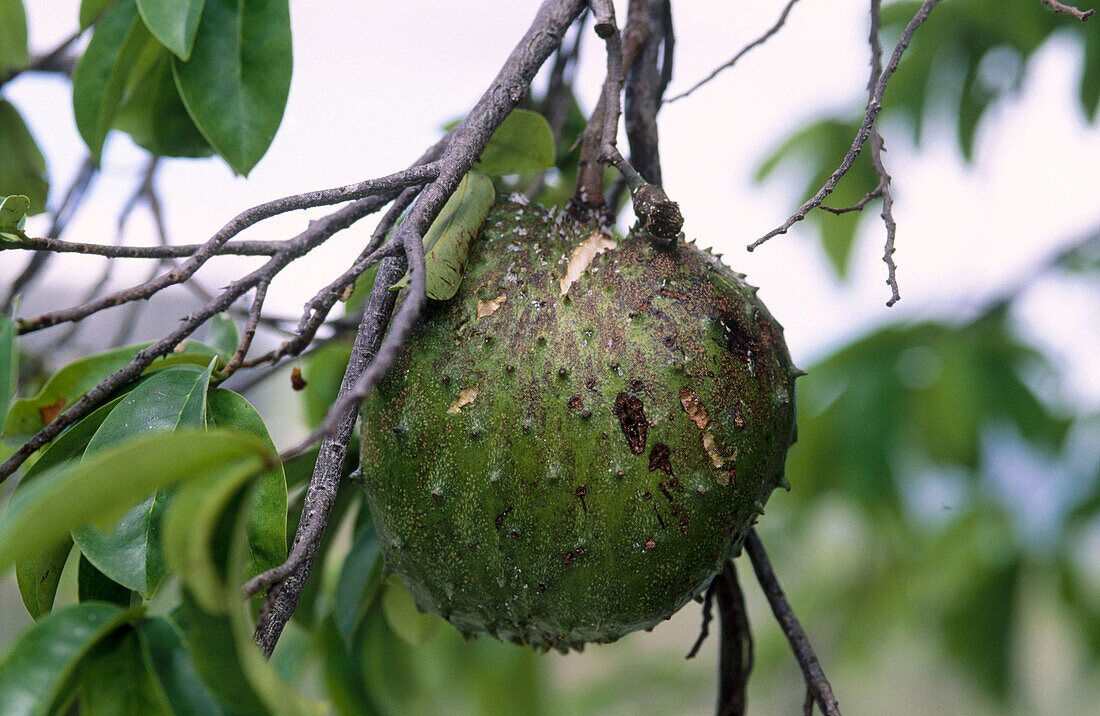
(570, 448)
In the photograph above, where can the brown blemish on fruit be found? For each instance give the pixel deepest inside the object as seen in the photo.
(488, 308)
(499, 521)
(658, 458)
(673, 294)
(590, 384)
(575, 403)
(693, 406)
(650, 543)
(49, 412)
(466, 397)
(738, 419)
(631, 414)
(580, 493)
(712, 450)
(660, 520)
(582, 256)
(664, 491)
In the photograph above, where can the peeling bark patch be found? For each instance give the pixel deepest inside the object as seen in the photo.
(693, 406)
(488, 308)
(464, 398)
(582, 256)
(631, 414)
(713, 452)
(659, 458)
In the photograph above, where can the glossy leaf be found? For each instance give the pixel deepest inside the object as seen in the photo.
(103, 71)
(70, 496)
(214, 651)
(153, 113)
(64, 387)
(235, 84)
(36, 671)
(413, 626)
(9, 365)
(171, 661)
(448, 240)
(13, 35)
(278, 696)
(360, 581)
(172, 22)
(267, 511)
(190, 527)
(344, 685)
(22, 166)
(130, 553)
(117, 678)
(38, 575)
(524, 142)
(90, 11)
(223, 335)
(95, 586)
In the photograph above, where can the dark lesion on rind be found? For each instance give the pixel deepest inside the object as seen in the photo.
(659, 458)
(631, 414)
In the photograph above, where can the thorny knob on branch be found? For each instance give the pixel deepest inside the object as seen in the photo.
(659, 215)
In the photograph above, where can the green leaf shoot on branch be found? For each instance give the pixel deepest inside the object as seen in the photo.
(22, 166)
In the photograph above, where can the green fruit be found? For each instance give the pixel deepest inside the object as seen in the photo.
(570, 449)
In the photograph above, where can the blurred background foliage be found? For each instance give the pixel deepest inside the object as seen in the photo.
(941, 541)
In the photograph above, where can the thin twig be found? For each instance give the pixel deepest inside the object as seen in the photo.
(324, 197)
(249, 327)
(182, 251)
(641, 55)
(734, 644)
(741, 53)
(878, 146)
(704, 628)
(874, 106)
(1058, 7)
(800, 644)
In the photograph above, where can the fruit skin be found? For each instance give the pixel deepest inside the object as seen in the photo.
(516, 487)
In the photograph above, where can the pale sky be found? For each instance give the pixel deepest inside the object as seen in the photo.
(373, 82)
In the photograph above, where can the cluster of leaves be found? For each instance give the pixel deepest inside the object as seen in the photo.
(184, 78)
(966, 57)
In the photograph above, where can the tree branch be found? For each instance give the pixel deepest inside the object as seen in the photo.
(734, 644)
(1068, 10)
(874, 106)
(800, 644)
(290, 577)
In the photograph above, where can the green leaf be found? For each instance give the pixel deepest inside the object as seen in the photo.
(13, 35)
(9, 363)
(222, 334)
(64, 387)
(71, 496)
(36, 671)
(130, 552)
(116, 677)
(22, 166)
(277, 695)
(214, 651)
(103, 71)
(13, 214)
(267, 512)
(360, 581)
(191, 526)
(448, 239)
(95, 586)
(153, 113)
(343, 682)
(236, 83)
(524, 142)
(38, 576)
(172, 22)
(413, 626)
(90, 10)
(175, 670)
